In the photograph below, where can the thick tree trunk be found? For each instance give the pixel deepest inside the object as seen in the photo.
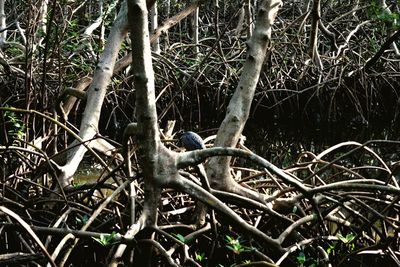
(160, 165)
(95, 97)
(154, 24)
(3, 24)
(239, 107)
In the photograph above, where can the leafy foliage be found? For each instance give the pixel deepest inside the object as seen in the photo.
(16, 129)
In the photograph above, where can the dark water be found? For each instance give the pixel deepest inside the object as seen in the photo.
(282, 142)
(88, 171)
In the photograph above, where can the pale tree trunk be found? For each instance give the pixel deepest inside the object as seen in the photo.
(42, 29)
(121, 64)
(95, 98)
(3, 24)
(154, 24)
(249, 18)
(166, 38)
(3, 31)
(146, 130)
(196, 31)
(88, 32)
(161, 165)
(305, 7)
(313, 45)
(216, 25)
(239, 27)
(102, 29)
(238, 110)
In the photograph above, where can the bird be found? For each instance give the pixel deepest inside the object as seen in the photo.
(191, 141)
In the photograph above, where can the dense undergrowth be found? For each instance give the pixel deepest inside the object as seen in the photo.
(360, 220)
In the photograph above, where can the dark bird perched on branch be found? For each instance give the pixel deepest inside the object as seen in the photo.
(191, 141)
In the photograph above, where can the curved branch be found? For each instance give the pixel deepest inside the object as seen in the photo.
(198, 192)
(30, 232)
(238, 109)
(370, 62)
(169, 23)
(197, 156)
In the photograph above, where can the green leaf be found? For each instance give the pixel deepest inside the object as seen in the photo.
(301, 258)
(180, 238)
(331, 248)
(83, 220)
(106, 240)
(349, 237)
(200, 257)
(229, 238)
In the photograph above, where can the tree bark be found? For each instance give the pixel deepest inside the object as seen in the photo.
(95, 97)
(161, 165)
(3, 24)
(239, 106)
(154, 24)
